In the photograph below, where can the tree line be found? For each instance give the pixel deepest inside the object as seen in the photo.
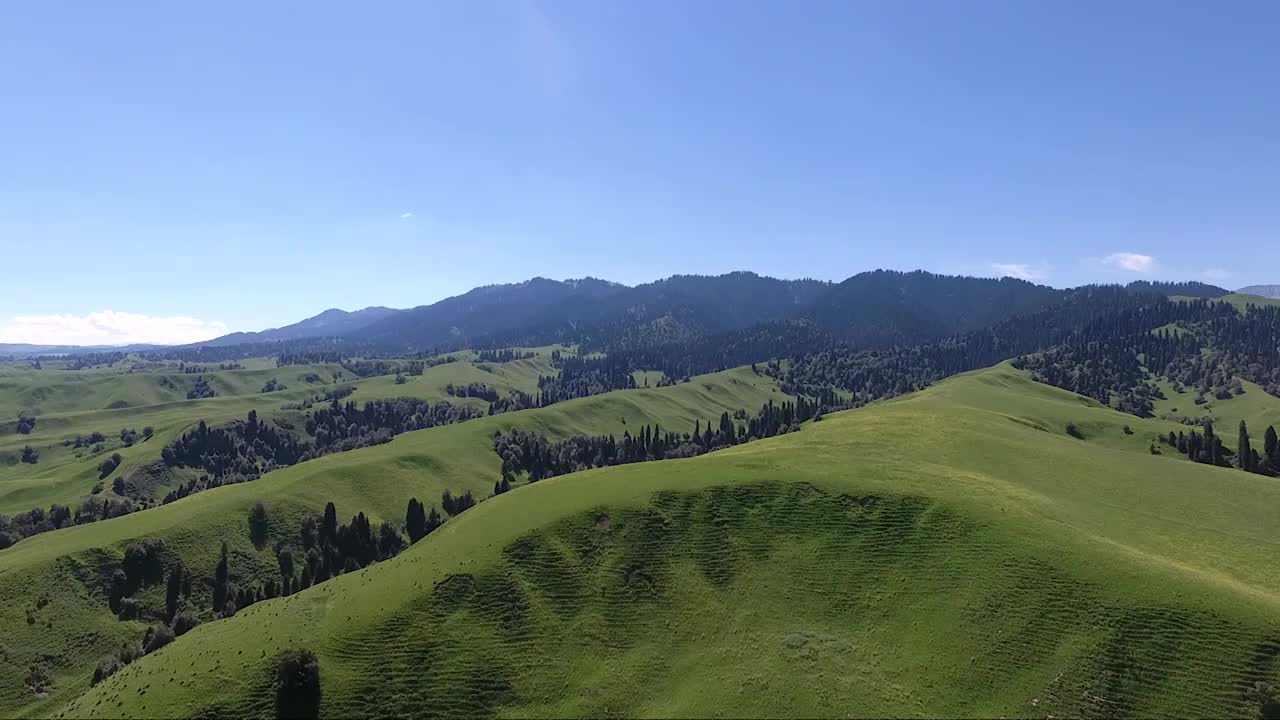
(523, 451)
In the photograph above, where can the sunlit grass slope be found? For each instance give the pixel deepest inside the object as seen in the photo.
(949, 553)
(68, 566)
(65, 474)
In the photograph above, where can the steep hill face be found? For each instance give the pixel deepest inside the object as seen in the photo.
(1267, 291)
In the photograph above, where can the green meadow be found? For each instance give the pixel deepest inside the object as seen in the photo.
(953, 552)
(60, 575)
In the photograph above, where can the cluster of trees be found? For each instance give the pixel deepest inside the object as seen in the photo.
(247, 448)
(418, 523)
(26, 423)
(92, 439)
(505, 355)
(244, 450)
(1206, 447)
(273, 385)
(200, 390)
(129, 436)
(1250, 460)
(82, 361)
(330, 549)
(584, 376)
(343, 427)
(108, 466)
(514, 400)
(362, 367)
(40, 520)
(456, 505)
(30, 455)
(475, 390)
(532, 453)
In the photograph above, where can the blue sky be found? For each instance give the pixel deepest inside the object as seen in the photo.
(168, 170)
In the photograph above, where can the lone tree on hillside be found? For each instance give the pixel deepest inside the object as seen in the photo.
(297, 684)
(258, 524)
(221, 575)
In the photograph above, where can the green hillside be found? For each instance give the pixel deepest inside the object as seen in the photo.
(952, 552)
(68, 567)
(65, 474)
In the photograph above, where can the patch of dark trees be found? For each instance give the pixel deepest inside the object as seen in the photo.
(244, 450)
(328, 549)
(504, 355)
(523, 451)
(364, 368)
(40, 520)
(273, 385)
(200, 390)
(26, 423)
(475, 390)
(1206, 447)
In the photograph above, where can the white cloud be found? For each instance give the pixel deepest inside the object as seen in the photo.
(1217, 275)
(406, 215)
(108, 327)
(1022, 271)
(1130, 262)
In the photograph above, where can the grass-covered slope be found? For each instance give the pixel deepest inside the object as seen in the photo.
(157, 399)
(68, 567)
(948, 553)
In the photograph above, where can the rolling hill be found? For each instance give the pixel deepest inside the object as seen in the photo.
(952, 552)
(64, 567)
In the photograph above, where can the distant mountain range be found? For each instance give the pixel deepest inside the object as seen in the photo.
(871, 309)
(1267, 291)
(330, 323)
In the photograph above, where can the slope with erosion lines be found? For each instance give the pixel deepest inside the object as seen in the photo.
(67, 567)
(951, 552)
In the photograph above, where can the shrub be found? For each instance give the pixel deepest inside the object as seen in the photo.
(128, 609)
(1128, 430)
(26, 423)
(157, 637)
(109, 465)
(1074, 431)
(297, 684)
(183, 622)
(30, 455)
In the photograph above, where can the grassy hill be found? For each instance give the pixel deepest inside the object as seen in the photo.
(66, 474)
(952, 552)
(68, 567)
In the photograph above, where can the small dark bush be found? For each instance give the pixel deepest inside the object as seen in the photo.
(297, 684)
(157, 637)
(1074, 431)
(183, 622)
(30, 455)
(128, 609)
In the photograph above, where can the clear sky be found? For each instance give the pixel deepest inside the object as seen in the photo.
(170, 169)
